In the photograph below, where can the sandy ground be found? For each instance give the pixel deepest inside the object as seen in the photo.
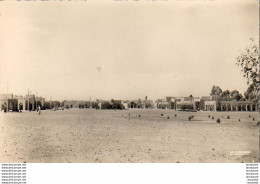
(85, 135)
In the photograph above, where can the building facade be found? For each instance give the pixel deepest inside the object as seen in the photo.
(231, 106)
(8, 102)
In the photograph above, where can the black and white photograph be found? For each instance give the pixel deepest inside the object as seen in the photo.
(129, 81)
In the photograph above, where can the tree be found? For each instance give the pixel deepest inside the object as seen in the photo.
(216, 90)
(249, 63)
(236, 95)
(251, 93)
(225, 94)
(112, 103)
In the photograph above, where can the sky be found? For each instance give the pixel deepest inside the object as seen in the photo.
(123, 50)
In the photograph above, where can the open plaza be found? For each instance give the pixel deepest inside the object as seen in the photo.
(134, 135)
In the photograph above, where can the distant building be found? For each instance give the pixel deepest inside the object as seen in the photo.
(186, 103)
(237, 106)
(170, 98)
(71, 104)
(205, 98)
(230, 106)
(163, 104)
(210, 106)
(27, 103)
(125, 104)
(148, 104)
(135, 104)
(39, 101)
(8, 103)
(102, 104)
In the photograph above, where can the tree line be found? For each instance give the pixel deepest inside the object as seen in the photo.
(248, 61)
(228, 95)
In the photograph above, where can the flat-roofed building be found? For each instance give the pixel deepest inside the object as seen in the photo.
(210, 105)
(8, 102)
(71, 104)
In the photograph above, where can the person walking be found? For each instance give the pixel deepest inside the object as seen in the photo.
(39, 110)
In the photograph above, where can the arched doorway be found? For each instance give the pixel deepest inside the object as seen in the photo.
(239, 107)
(4, 106)
(20, 107)
(224, 107)
(30, 106)
(38, 103)
(253, 107)
(11, 106)
(229, 107)
(243, 107)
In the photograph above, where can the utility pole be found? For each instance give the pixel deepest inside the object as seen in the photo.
(36, 99)
(28, 100)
